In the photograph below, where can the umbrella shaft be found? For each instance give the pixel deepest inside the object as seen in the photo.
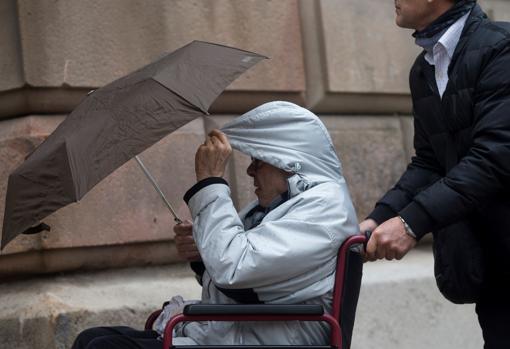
(156, 186)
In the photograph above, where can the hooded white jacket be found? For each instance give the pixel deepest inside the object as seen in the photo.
(289, 258)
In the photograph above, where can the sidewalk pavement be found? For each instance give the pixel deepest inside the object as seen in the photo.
(399, 305)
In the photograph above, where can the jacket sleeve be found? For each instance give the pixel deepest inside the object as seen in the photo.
(274, 251)
(420, 173)
(484, 172)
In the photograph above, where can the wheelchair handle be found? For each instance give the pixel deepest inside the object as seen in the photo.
(367, 234)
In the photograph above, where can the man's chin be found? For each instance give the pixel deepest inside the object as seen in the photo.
(402, 23)
(399, 22)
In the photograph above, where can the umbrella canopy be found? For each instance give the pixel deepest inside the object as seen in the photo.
(115, 123)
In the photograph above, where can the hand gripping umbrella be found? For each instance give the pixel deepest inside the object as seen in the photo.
(115, 123)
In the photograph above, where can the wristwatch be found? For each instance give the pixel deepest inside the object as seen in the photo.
(407, 228)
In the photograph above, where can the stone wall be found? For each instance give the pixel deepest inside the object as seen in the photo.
(347, 61)
(58, 50)
(344, 59)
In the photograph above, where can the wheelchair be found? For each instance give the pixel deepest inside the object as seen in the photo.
(341, 319)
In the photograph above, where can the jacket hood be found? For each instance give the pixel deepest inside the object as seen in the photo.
(288, 137)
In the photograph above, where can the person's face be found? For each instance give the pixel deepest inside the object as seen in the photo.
(418, 14)
(269, 181)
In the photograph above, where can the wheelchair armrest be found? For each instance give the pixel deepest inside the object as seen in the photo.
(253, 309)
(253, 312)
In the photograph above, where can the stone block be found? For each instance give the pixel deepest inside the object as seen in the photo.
(49, 312)
(365, 54)
(408, 135)
(13, 265)
(11, 66)
(124, 207)
(120, 222)
(356, 63)
(18, 138)
(88, 44)
(372, 155)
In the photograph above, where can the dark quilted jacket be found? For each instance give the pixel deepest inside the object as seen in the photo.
(461, 169)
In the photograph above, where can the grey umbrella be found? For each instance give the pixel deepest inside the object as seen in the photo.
(115, 123)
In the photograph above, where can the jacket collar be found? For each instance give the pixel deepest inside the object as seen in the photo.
(475, 19)
(473, 22)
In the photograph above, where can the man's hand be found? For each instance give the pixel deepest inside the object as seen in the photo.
(186, 247)
(211, 157)
(390, 241)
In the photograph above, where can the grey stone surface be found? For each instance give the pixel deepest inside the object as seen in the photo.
(86, 44)
(32, 100)
(49, 312)
(46, 261)
(354, 54)
(313, 50)
(498, 10)
(399, 306)
(122, 217)
(11, 66)
(19, 137)
(348, 57)
(123, 208)
(408, 134)
(63, 49)
(364, 50)
(372, 154)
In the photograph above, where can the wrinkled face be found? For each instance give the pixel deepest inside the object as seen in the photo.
(268, 180)
(418, 14)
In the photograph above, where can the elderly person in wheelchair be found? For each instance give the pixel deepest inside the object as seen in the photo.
(280, 249)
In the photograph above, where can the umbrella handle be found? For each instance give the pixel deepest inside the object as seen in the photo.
(37, 229)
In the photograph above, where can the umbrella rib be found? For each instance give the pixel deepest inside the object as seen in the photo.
(184, 98)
